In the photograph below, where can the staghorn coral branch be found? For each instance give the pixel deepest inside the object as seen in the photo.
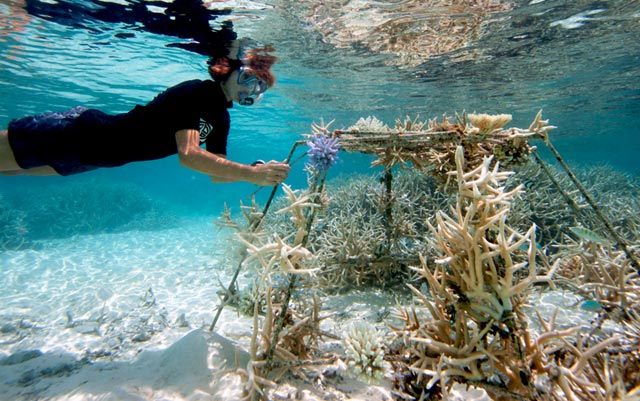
(438, 347)
(584, 356)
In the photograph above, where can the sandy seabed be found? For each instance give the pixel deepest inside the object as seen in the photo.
(125, 317)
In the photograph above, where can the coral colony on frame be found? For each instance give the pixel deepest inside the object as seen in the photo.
(465, 216)
(323, 151)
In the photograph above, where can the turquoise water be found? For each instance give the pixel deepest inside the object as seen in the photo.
(101, 270)
(579, 62)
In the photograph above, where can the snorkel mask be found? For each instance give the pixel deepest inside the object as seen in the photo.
(255, 87)
(247, 78)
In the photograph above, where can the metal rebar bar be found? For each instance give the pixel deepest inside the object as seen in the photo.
(619, 240)
(292, 282)
(252, 228)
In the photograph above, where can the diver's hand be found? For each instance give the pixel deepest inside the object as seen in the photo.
(271, 173)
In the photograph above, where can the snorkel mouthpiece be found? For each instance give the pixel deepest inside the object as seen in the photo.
(248, 100)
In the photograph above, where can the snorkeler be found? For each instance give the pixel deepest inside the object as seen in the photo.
(177, 121)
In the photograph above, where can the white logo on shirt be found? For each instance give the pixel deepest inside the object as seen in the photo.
(205, 130)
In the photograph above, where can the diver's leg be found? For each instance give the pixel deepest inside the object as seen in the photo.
(40, 171)
(8, 164)
(7, 160)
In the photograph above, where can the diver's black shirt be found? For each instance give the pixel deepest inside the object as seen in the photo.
(149, 132)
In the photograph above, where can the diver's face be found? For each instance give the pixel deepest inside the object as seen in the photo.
(243, 87)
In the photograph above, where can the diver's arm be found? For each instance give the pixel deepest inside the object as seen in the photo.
(218, 179)
(219, 168)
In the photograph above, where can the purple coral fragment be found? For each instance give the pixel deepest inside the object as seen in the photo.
(323, 151)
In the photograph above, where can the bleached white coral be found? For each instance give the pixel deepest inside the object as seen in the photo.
(364, 352)
(486, 123)
(369, 124)
(410, 124)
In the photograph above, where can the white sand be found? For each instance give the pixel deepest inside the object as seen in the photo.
(125, 317)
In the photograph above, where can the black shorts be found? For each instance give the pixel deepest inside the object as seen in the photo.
(47, 140)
